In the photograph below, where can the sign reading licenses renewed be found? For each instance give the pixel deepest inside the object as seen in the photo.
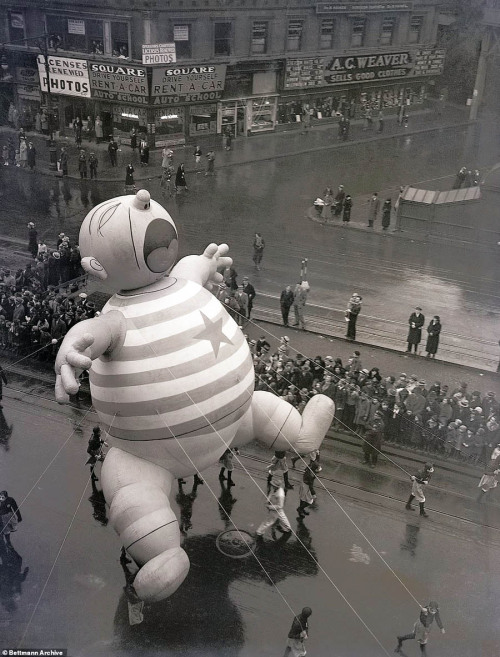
(68, 76)
(159, 53)
(127, 84)
(187, 84)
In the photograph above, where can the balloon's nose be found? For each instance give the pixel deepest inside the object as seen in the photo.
(142, 200)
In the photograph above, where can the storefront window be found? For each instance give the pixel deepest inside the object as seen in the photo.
(263, 114)
(358, 31)
(182, 40)
(16, 26)
(124, 119)
(202, 120)
(326, 34)
(294, 35)
(259, 37)
(119, 39)
(169, 124)
(222, 38)
(415, 29)
(387, 31)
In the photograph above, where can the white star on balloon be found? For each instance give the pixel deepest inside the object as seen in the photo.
(213, 333)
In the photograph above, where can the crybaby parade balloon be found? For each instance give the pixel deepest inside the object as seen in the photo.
(171, 377)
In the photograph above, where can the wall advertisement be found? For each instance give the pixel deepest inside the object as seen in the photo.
(187, 84)
(68, 76)
(122, 83)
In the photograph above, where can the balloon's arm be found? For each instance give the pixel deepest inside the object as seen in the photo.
(83, 343)
(203, 269)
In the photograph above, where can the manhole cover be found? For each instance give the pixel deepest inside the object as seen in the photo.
(235, 543)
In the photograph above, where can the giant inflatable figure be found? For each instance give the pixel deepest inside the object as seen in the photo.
(171, 377)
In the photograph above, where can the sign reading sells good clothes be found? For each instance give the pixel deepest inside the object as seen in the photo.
(351, 69)
(126, 84)
(187, 84)
(68, 76)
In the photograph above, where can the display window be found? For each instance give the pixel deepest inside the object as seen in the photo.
(169, 126)
(202, 120)
(233, 117)
(263, 113)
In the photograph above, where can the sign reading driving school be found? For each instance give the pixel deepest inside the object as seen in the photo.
(122, 83)
(68, 76)
(187, 84)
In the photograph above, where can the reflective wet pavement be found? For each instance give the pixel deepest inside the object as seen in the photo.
(72, 595)
(392, 274)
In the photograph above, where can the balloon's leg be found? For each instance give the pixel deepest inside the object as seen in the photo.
(277, 424)
(137, 493)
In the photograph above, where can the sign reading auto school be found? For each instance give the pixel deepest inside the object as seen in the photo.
(126, 84)
(187, 84)
(68, 76)
(360, 68)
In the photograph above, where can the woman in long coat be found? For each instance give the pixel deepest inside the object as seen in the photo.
(23, 153)
(386, 214)
(98, 129)
(129, 176)
(433, 330)
(180, 179)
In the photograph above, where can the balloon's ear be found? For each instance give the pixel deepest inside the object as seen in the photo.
(94, 268)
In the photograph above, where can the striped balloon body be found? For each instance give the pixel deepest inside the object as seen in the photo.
(175, 390)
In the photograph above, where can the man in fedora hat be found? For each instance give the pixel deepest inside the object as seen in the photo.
(415, 321)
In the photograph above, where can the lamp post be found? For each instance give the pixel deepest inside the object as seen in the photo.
(44, 49)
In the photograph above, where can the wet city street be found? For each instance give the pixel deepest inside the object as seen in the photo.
(357, 560)
(393, 273)
(360, 560)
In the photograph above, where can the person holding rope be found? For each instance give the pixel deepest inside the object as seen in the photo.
(417, 493)
(422, 627)
(298, 634)
(94, 449)
(276, 515)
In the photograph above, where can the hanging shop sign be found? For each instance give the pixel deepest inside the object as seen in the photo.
(68, 76)
(125, 84)
(28, 84)
(187, 84)
(158, 53)
(361, 7)
(429, 62)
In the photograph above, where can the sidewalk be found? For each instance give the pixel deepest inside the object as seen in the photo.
(246, 150)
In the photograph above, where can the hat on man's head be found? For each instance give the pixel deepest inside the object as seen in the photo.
(56, 255)
(464, 403)
(31, 225)
(82, 295)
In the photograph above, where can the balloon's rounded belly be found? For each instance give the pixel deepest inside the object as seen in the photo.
(181, 378)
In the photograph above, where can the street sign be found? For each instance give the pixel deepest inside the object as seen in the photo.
(158, 53)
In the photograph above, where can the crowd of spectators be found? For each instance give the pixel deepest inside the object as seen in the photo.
(404, 410)
(40, 303)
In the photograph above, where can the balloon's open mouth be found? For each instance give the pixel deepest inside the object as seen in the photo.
(160, 245)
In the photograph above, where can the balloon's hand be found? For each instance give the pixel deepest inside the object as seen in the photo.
(215, 259)
(72, 358)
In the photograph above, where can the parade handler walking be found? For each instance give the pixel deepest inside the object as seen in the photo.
(298, 634)
(422, 627)
(276, 515)
(417, 492)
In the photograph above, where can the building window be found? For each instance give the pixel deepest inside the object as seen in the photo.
(119, 39)
(326, 34)
(358, 31)
(222, 38)
(182, 40)
(16, 26)
(259, 37)
(387, 31)
(415, 29)
(294, 35)
(87, 35)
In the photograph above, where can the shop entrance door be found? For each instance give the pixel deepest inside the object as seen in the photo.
(107, 125)
(241, 120)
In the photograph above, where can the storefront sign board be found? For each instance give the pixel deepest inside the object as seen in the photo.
(68, 76)
(304, 72)
(361, 7)
(428, 62)
(363, 68)
(126, 84)
(158, 53)
(187, 84)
